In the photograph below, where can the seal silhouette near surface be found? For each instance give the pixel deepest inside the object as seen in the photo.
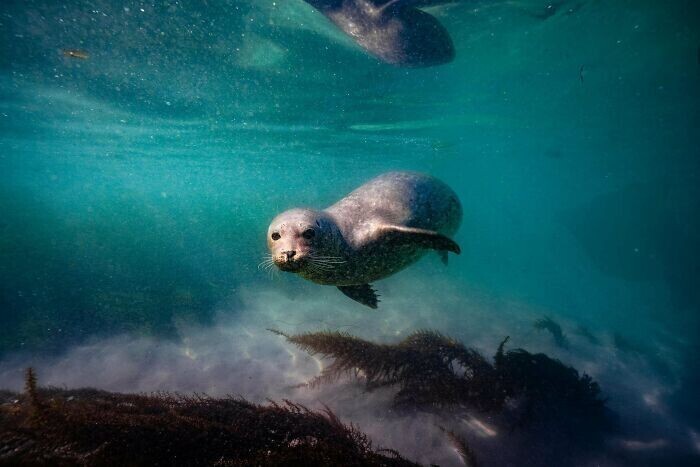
(377, 230)
(395, 31)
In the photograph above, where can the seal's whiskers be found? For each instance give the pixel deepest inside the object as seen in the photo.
(325, 267)
(326, 260)
(266, 264)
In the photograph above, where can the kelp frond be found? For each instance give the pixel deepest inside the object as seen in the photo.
(432, 370)
(30, 386)
(548, 324)
(548, 387)
(583, 331)
(89, 427)
(466, 453)
(32, 394)
(349, 355)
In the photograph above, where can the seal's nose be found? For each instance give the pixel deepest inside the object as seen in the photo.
(290, 254)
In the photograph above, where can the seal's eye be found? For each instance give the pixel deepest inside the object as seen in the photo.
(275, 235)
(309, 234)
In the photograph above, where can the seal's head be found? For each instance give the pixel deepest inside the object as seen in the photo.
(295, 237)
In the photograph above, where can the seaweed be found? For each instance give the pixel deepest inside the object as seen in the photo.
(643, 351)
(91, 427)
(434, 371)
(548, 324)
(30, 389)
(586, 333)
(623, 344)
(547, 388)
(466, 453)
(430, 368)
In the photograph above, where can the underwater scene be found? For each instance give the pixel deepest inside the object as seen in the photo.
(350, 232)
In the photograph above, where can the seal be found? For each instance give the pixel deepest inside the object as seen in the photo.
(395, 31)
(377, 230)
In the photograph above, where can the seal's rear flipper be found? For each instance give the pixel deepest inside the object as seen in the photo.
(400, 235)
(361, 293)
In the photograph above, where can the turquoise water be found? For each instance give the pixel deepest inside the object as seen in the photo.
(138, 184)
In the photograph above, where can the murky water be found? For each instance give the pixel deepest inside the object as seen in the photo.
(138, 182)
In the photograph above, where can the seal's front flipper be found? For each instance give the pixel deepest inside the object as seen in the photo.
(361, 293)
(443, 256)
(400, 235)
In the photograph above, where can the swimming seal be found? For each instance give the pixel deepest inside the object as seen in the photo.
(377, 230)
(394, 31)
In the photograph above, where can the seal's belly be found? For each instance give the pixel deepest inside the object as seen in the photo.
(365, 268)
(385, 263)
